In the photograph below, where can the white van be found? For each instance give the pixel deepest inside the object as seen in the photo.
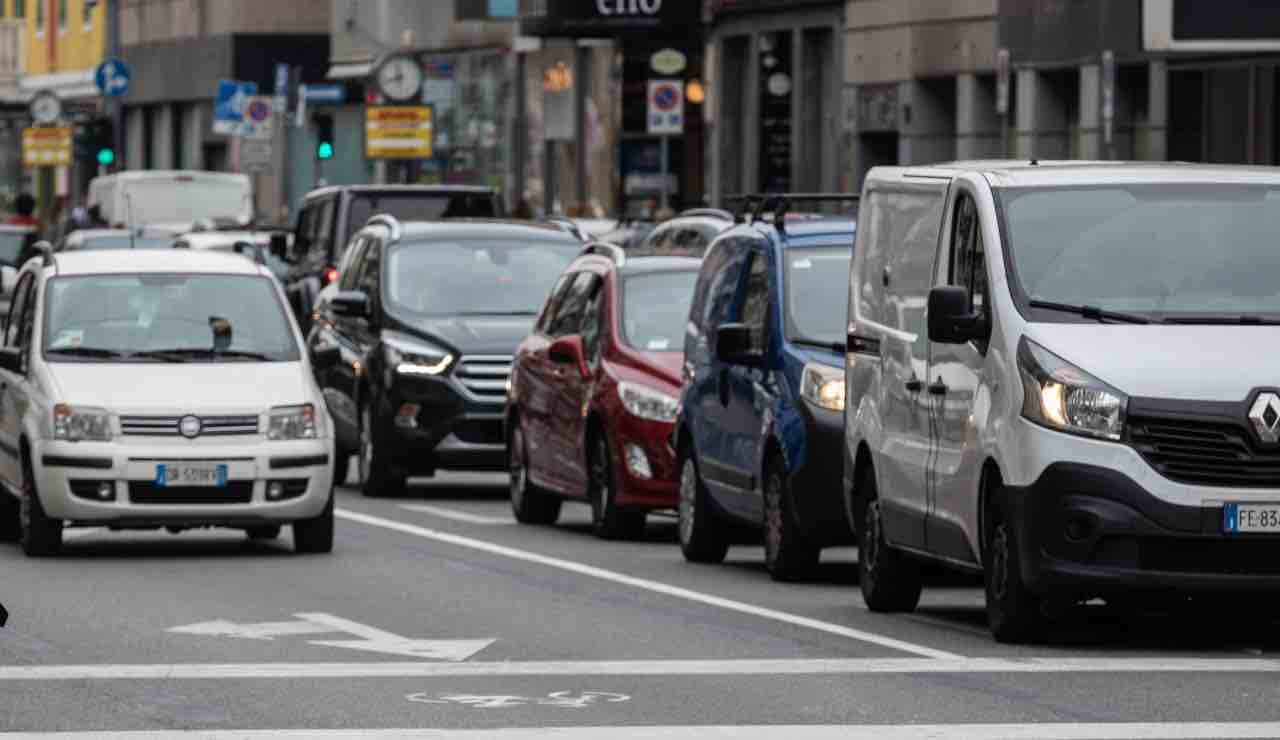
(1089, 405)
(173, 199)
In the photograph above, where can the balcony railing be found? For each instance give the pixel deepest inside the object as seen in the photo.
(12, 50)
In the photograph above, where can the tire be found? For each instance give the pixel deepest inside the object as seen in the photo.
(702, 535)
(1014, 613)
(376, 475)
(890, 580)
(40, 535)
(10, 525)
(529, 503)
(608, 520)
(788, 556)
(263, 532)
(315, 535)
(341, 466)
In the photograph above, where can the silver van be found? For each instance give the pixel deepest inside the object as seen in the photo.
(1089, 403)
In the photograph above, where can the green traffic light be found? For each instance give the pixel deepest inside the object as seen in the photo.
(106, 157)
(324, 151)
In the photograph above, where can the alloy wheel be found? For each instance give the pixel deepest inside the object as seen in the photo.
(516, 467)
(366, 444)
(600, 478)
(772, 518)
(688, 501)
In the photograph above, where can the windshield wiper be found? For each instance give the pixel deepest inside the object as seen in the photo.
(497, 313)
(181, 354)
(1090, 312)
(1244, 320)
(96, 352)
(838, 347)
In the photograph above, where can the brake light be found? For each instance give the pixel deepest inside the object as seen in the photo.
(330, 275)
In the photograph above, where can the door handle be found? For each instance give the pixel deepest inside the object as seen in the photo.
(938, 389)
(915, 385)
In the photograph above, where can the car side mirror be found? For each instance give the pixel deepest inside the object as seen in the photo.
(279, 247)
(950, 319)
(352, 303)
(733, 346)
(325, 356)
(11, 359)
(569, 351)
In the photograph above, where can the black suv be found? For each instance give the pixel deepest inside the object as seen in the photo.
(330, 216)
(428, 317)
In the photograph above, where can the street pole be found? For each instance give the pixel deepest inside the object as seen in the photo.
(666, 169)
(115, 106)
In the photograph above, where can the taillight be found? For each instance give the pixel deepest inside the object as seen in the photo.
(330, 275)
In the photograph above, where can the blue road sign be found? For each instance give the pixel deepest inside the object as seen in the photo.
(228, 106)
(112, 78)
(331, 94)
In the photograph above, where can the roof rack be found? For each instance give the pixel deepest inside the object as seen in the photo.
(568, 224)
(707, 212)
(781, 203)
(609, 251)
(387, 220)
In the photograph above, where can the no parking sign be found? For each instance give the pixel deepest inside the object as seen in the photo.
(666, 107)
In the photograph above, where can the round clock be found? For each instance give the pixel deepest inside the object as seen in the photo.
(45, 107)
(400, 78)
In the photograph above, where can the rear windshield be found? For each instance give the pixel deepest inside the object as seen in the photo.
(419, 207)
(655, 309)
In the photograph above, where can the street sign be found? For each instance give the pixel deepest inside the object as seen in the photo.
(228, 108)
(47, 146)
(281, 91)
(666, 107)
(1002, 82)
(112, 78)
(259, 118)
(326, 94)
(398, 131)
(255, 155)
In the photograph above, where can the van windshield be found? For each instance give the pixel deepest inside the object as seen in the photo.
(1177, 252)
(817, 294)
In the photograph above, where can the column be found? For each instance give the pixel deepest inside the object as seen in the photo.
(1152, 136)
(1028, 89)
(162, 137)
(1089, 144)
(977, 124)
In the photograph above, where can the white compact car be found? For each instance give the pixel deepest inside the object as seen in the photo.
(160, 389)
(1089, 403)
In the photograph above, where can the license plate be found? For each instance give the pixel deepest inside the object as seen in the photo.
(205, 475)
(1244, 518)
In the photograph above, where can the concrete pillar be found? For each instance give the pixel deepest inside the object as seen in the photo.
(1089, 144)
(926, 124)
(134, 137)
(977, 124)
(193, 136)
(1041, 131)
(162, 137)
(1151, 136)
(1028, 88)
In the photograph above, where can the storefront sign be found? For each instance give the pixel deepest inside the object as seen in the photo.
(46, 147)
(610, 17)
(668, 62)
(398, 131)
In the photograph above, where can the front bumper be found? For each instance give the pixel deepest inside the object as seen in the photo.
(67, 475)
(661, 490)
(816, 484)
(449, 431)
(1084, 530)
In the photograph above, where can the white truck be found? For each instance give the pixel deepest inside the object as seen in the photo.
(174, 199)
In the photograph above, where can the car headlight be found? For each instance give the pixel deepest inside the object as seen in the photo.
(648, 403)
(1061, 396)
(416, 357)
(77, 423)
(823, 386)
(293, 422)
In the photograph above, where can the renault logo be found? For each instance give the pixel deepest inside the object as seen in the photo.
(1265, 417)
(190, 426)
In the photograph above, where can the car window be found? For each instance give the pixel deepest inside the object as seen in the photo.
(655, 309)
(352, 262)
(368, 279)
(553, 300)
(755, 299)
(568, 319)
(659, 238)
(724, 283)
(306, 228)
(21, 297)
(968, 261)
(817, 279)
(322, 234)
(593, 324)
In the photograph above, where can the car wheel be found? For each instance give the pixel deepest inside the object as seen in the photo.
(10, 525)
(702, 536)
(890, 580)
(1014, 613)
(315, 535)
(341, 466)
(787, 554)
(376, 476)
(263, 532)
(529, 503)
(608, 520)
(41, 536)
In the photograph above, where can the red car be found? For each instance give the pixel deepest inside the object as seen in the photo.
(594, 391)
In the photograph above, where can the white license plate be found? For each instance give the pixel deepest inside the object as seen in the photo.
(207, 475)
(1245, 518)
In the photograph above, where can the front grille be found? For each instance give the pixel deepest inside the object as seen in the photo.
(167, 426)
(485, 376)
(1207, 453)
(480, 431)
(1225, 557)
(235, 492)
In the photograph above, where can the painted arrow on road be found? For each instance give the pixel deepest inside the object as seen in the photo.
(370, 639)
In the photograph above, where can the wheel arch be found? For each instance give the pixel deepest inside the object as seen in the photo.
(989, 484)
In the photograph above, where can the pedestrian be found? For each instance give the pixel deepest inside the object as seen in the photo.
(24, 211)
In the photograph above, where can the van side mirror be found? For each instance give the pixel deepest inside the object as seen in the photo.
(352, 303)
(950, 320)
(569, 351)
(280, 245)
(11, 359)
(733, 346)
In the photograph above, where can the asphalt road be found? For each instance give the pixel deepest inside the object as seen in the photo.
(437, 614)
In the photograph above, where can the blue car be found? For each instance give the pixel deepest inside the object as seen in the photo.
(759, 434)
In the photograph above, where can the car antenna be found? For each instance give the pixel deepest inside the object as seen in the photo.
(128, 212)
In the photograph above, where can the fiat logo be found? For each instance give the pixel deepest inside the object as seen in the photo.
(189, 426)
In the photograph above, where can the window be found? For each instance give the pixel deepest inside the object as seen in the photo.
(553, 300)
(568, 318)
(351, 264)
(88, 13)
(968, 261)
(655, 309)
(369, 266)
(322, 234)
(19, 8)
(40, 16)
(62, 15)
(22, 295)
(755, 300)
(593, 325)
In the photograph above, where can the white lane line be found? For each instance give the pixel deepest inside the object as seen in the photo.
(648, 585)
(457, 516)
(745, 667)
(1026, 731)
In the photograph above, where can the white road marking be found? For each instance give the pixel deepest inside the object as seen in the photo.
(648, 585)
(458, 516)
(1026, 731)
(256, 631)
(744, 667)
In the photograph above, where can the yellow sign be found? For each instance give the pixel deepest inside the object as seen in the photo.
(46, 147)
(398, 131)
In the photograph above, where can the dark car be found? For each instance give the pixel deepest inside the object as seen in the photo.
(428, 317)
(691, 231)
(762, 410)
(594, 391)
(330, 217)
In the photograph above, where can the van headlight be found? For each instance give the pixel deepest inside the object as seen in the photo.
(292, 422)
(823, 386)
(81, 423)
(415, 358)
(648, 403)
(1061, 396)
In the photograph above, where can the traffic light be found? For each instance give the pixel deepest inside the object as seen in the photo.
(102, 141)
(324, 137)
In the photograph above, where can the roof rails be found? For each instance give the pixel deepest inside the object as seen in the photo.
(387, 220)
(707, 212)
(569, 225)
(609, 251)
(781, 203)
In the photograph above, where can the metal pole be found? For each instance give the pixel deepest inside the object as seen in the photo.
(666, 169)
(115, 106)
(580, 85)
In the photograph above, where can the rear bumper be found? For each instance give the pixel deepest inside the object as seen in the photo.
(1084, 530)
